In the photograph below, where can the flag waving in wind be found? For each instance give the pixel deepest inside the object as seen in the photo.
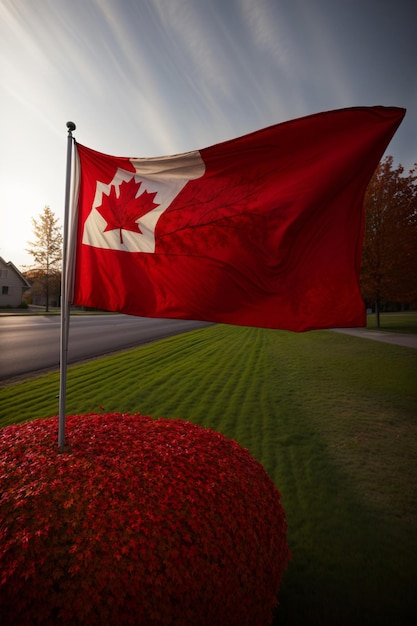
(263, 230)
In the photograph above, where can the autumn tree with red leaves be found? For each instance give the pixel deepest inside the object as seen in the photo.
(389, 258)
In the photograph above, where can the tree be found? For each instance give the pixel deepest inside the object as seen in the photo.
(389, 259)
(37, 279)
(46, 249)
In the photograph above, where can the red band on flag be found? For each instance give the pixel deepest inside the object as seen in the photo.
(264, 230)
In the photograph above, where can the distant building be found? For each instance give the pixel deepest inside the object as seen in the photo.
(12, 285)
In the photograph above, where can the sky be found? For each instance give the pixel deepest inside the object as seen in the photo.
(147, 78)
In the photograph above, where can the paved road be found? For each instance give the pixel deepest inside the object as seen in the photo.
(31, 344)
(399, 339)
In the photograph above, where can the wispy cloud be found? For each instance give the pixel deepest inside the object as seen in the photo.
(266, 25)
(193, 32)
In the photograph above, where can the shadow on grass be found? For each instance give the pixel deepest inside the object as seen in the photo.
(352, 564)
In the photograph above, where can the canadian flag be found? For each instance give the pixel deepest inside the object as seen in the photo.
(263, 230)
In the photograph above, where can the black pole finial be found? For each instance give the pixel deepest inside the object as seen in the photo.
(71, 126)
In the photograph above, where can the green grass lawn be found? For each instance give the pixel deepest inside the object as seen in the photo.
(333, 419)
(395, 322)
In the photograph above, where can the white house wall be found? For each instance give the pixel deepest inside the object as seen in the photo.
(12, 285)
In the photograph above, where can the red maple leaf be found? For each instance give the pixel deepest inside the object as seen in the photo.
(124, 211)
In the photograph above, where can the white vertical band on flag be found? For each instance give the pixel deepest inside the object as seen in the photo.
(73, 219)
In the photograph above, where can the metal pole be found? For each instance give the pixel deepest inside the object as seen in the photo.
(64, 298)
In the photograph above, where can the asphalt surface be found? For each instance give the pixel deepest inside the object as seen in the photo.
(31, 344)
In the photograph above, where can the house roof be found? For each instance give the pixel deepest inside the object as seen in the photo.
(13, 267)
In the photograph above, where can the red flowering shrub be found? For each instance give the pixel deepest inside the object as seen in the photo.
(142, 521)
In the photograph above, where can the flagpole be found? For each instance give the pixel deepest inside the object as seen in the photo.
(64, 298)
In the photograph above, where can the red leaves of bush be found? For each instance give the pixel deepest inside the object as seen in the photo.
(142, 521)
